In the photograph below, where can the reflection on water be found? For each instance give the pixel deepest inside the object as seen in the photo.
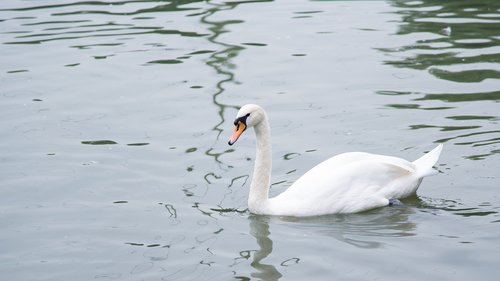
(462, 97)
(220, 61)
(365, 230)
(441, 53)
(457, 44)
(57, 27)
(259, 228)
(432, 205)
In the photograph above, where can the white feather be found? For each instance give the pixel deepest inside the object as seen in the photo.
(346, 183)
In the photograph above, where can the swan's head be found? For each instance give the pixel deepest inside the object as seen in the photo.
(248, 116)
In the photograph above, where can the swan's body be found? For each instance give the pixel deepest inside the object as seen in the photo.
(346, 183)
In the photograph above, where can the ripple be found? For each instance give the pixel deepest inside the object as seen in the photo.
(483, 156)
(99, 142)
(458, 53)
(416, 106)
(496, 16)
(450, 20)
(443, 128)
(89, 46)
(465, 76)
(143, 267)
(168, 61)
(475, 41)
(52, 28)
(159, 8)
(255, 44)
(462, 97)
(290, 155)
(480, 142)
(458, 208)
(473, 117)
(476, 142)
(138, 144)
(73, 35)
(62, 22)
(18, 71)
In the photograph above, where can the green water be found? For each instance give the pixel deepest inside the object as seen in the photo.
(114, 161)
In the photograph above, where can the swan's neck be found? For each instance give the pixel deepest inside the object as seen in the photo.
(259, 188)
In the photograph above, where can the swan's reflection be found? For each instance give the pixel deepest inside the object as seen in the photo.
(259, 228)
(365, 230)
(369, 230)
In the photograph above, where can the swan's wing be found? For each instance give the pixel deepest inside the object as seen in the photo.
(354, 170)
(366, 181)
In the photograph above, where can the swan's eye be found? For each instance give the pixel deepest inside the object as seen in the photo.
(242, 119)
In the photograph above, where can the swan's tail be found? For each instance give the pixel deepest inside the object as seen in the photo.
(424, 164)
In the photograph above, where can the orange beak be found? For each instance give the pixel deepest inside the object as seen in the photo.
(238, 130)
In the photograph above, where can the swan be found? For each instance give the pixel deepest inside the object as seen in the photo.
(346, 183)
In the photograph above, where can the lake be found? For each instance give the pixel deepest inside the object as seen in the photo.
(114, 163)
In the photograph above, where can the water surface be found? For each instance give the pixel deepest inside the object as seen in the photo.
(115, 118)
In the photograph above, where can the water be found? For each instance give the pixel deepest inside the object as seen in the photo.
(115, 119)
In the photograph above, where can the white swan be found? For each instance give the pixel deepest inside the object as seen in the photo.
(346, 183)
